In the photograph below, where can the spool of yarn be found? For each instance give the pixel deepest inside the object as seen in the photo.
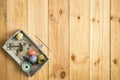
(26, 66)
(32, 52)
(41, 58)
(19, 36)
(33, 59)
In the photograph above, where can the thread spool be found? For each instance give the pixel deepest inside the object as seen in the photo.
(41, 58)
(19, 36)
(26, 66)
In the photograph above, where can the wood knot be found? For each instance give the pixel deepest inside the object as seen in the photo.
(93, 19)
(51, 15)
(115, 61)
(73, 57)
(97, 62)
(111, 18)
(63, 74)
(78, 17)
(97, 21)
(61, 11)
(119, 20)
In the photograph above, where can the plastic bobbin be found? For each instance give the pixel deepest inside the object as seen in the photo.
(26, 66)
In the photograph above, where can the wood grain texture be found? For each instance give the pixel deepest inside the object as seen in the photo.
(83, 38)
(115, 40)
(16, 19)
(38, 25)
(3, 27)
(100, 40)
(58, 40)
(79, 40)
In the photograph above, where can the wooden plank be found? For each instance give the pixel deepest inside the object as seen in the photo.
(3, 55)
(38, 25)
(100, 40)
(79, 40)
(16, 19)
(115, 40)
(58, 40)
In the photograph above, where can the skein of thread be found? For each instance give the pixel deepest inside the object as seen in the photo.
(33, 59)
(32, 52)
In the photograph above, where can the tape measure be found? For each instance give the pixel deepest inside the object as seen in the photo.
(26, 66)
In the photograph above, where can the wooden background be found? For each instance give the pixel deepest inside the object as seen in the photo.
(84, 36)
